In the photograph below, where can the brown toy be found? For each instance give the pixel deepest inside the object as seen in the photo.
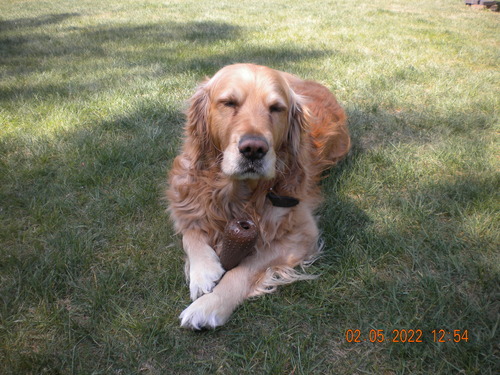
(238, 241)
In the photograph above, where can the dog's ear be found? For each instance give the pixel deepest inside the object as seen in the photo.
(298, 124)
(297, 146)
(197, 142)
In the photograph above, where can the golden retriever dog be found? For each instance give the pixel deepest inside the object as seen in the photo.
(256, 143)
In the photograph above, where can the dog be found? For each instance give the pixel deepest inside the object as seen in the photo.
(256, 144)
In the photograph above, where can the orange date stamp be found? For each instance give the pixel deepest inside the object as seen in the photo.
(407, 336)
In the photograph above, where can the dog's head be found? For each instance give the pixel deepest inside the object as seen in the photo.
(243, 117)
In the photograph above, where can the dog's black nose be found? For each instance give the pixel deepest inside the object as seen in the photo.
(253, 147)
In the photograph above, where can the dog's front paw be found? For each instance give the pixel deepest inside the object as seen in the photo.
(203, 276)
(208, 311)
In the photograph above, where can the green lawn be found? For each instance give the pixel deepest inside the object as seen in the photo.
(92, 96)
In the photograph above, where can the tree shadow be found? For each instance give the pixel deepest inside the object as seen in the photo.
(25, 23)
(172, 48)
(381, 129)
(144, 41)
(103, 178)
(346, 220)
(26, 47)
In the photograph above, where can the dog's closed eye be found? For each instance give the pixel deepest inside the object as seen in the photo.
(230, 103)
(276, 108)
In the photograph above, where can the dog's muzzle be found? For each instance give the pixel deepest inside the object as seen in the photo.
(251, 157)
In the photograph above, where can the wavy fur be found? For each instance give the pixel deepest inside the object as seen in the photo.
(306, 132)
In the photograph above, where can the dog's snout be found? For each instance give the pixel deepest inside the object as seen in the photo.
(253, 147)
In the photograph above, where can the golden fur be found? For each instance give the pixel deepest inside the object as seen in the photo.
(302, 130)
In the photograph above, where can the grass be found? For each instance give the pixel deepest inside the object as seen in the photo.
(92, 96)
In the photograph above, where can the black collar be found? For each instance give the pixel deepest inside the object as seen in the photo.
(282, 200)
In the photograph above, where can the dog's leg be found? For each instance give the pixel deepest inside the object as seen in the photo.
(205, 269)
(214, 309)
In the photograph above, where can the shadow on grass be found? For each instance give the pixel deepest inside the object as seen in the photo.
(83, 231)
(86, 234)
(77, 40)
(169, 48)
(25, 23)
